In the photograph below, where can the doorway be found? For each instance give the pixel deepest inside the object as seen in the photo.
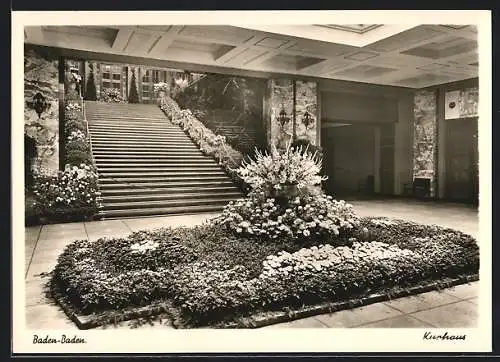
(462, 176)
(349, 159)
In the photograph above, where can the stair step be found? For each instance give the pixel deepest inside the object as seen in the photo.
(130, 213)
(166, 203)
(178, 170)
(173, 189)
(175, 159)
(164, 181)
(130, 127)
(128, 116)
(116, 123)
(149, 166)
(133, 131)
(156, 137)
(166, 174)
(134, 157)
(144, 145)
(170, 196)
(121, 133)
(152, 166)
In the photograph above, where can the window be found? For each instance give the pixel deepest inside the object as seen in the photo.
(111, 76)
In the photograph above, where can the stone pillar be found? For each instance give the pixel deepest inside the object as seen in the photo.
(295, 99)
(41, 76)
(424, 137)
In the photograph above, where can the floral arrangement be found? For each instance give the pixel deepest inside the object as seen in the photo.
(161, 87)
(310, 216)
(285, 200)
(294, 166)
(111, 95)
(77, 136)
(74, 188)
(208, 142)
(73, 107)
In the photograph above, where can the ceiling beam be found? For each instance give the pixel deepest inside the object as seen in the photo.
(34, 34)
(247, 44)
(166, 39)
(271, 53)
(122, 38)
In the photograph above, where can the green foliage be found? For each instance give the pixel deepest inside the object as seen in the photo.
(77, 156)
(133, 96)
(74, 125)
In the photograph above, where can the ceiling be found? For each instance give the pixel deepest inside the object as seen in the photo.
(413, 56)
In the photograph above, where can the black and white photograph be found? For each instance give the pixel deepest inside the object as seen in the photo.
(281, 177)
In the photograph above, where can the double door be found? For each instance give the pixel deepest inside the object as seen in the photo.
(462, 176)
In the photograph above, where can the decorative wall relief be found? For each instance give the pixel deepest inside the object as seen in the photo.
(461, 103)
(280, 130)
(424, 138)
(41, 111)
(306, 110)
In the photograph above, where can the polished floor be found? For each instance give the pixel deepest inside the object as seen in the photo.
(453, 307)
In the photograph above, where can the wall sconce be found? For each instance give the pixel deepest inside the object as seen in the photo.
(282, 117)
(307, 120)
(39, 104)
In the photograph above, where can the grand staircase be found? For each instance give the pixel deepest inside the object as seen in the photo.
(149, 166)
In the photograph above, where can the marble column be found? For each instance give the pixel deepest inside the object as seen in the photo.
(424, 137)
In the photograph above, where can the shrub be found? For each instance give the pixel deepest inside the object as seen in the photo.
(77, 157)
(90, 93)
(74, 125)
(133, 96)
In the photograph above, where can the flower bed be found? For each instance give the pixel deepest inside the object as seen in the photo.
(211, 276)
(267, 252)
(72, 194)
(209, 143)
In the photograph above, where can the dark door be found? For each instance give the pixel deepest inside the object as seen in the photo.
(461, 160)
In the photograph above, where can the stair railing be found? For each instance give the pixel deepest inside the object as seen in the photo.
(84, 111)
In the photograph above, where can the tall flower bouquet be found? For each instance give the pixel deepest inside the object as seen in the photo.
(283, 174)
(285, 200)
